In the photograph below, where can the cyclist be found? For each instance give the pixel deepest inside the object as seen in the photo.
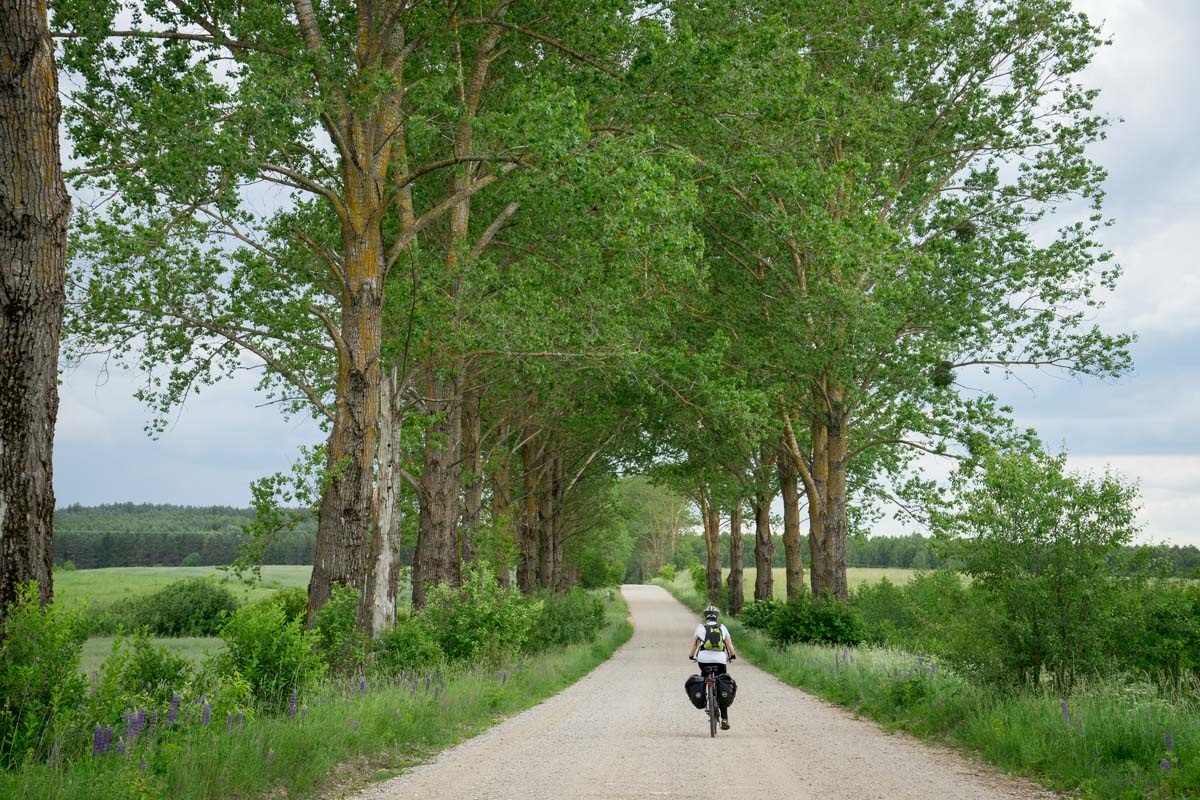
(713, 650)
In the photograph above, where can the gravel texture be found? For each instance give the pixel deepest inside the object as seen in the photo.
(627, 731)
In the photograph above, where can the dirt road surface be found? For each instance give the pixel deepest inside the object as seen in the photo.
(628, 731)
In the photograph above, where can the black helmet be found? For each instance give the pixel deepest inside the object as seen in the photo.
(711, 613)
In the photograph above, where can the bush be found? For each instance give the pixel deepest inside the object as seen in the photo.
(758, 614)
(479, 621)
(293, 601)
(191, 607)
(565, 619)
(272, 653)
(667, 572)
(40, 684)
(341, 644)
(67, 566)
(699, 576)
(191, 560)
(408, 646)
(1161, 633)
(137, 674)
(822, 620)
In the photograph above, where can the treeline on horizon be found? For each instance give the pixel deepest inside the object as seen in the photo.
(155, 534)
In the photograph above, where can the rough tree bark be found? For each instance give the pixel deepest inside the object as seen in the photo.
(34, 210)
(737, 591)
(385, 541)
(436, 560)
(528, 525)
(790, 489)
(711, 516)
(468, 530)
(764, 548)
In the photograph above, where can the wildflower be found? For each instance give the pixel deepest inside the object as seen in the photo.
(503, 677)
(362, 685)
(1165, 763)
(353, 724)
(108, 738)
(428, 680)
(55, 752)
(437, 690)
(303, 713)
(173, 711)
(143, 765)
(229, 720)
(270, 756)
(241, 720)
(1170, 742)
(120, 747)
(205, 714)
(1066, 716)
(98, 741)
(152, 719)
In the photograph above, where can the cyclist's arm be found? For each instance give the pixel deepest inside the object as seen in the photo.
(695, 647)
(729, 647)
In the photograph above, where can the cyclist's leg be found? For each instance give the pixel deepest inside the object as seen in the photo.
(720, 669)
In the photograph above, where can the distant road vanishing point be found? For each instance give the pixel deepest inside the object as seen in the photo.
(627, 731)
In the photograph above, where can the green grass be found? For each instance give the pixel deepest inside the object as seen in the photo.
(1112, 748)
(342, 737)
(98, 648)
(855, 576)
(106, 586)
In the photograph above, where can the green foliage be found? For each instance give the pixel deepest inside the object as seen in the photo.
(40, 687)
(190, 607)
(293, 600)
(67, 566)
(699, 575)
(667, 572)
(480, 622)
(758, 613)
(341, 644)
(137, 674)
(410, 645)
(569, 618)
(1043, 546)
(1160, 631)
(822, 620)
(272, 653)
(191, 560)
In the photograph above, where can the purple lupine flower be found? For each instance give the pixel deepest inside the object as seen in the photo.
(292, 706)
(1066, 716)
(173, 711)
(120, 747)
(228, 720)
(152, 719)
(97, 741)
(1165, 763)
(362, 685)
(437, 690)
(108, 738)
(1170, 742)
(270, 756)
(241, 720)
(205, 714)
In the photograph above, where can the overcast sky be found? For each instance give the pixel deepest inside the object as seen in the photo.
(1146, 425)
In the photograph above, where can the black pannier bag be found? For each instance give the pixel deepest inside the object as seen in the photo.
(726, 690)
(694, 686)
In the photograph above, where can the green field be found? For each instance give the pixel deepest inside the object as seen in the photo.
(106, 586)
(98, 648)
(855, 576)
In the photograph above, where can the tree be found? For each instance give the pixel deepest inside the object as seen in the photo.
(878, 189)
(34, 211)
(1045, 545)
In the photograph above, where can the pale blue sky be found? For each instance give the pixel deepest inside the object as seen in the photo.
(1146, 425)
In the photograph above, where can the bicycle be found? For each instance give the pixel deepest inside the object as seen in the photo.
(710, 693)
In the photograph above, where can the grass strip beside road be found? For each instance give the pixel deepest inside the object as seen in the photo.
(1110, 743)
(340, 736)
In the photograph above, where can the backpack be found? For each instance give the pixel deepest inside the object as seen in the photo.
(713, 640)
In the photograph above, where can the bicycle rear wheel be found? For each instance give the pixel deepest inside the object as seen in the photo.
(713, 711)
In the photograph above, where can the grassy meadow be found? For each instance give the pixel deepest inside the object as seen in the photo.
(106, 586)
(855, 576)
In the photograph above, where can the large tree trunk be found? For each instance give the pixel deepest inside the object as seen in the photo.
(764, 548)
(712, 545)
(472, 476)
(820, 565)
(437, 560)
(34, 210)
(385, 543)
(737, 591)
(835, 527)
(560, 578)
(527, 528)
(789, 488)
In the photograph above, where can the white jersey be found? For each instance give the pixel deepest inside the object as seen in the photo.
(711, 656)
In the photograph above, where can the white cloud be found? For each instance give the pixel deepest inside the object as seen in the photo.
(1170, 489)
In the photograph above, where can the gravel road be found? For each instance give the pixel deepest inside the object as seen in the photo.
(627, 731)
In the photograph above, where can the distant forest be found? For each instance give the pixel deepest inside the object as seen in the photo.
(146, 535)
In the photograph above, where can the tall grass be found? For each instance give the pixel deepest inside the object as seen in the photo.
(370, 726)
(1110, 742)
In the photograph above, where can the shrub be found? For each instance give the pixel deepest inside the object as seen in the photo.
(758, 613)
(341, 644)
(408, 646)
(191, 560)
(67, 566)
(699, 579)
(40, 685)
(293, 600)
(272, 653)
(191, 607)
(667, 572)
(1161, 633)
(822, 620)
(479, 621)
(137, 674)
(568, 618)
